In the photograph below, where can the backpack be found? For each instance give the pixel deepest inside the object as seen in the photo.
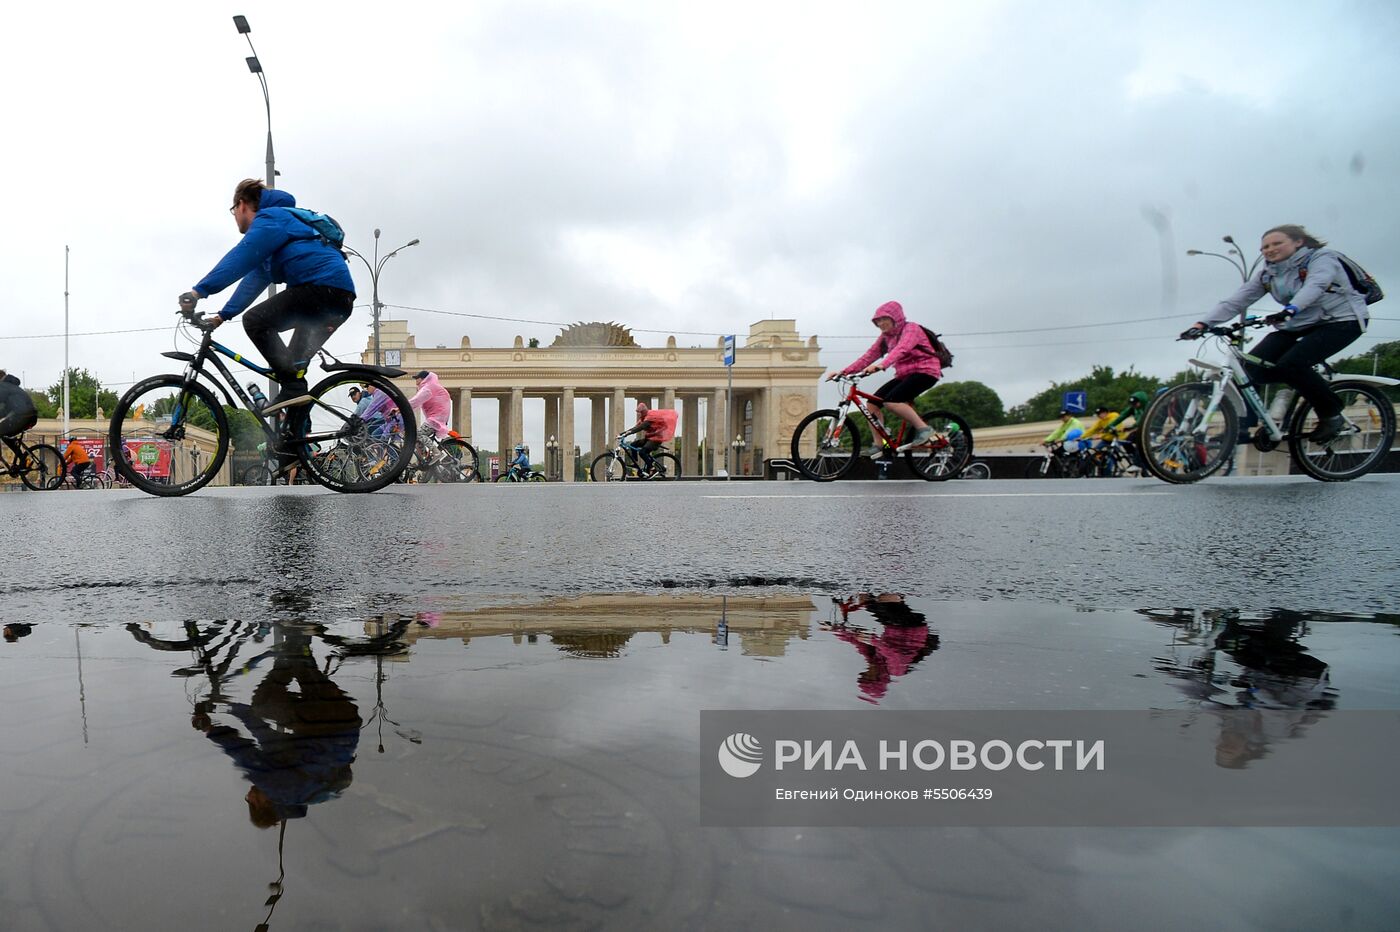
(324, 224)
(17, 411)
(945, 358)
(1361, 280)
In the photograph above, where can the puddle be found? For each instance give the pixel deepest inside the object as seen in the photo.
(466, 764)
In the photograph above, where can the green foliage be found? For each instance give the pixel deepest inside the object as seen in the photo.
(85, 393)
(978, 404)
(1102, 385)
(245, 429)
(43, 403)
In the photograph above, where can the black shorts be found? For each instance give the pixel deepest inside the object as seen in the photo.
(906, 388)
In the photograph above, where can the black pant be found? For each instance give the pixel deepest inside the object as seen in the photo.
(644, 450)
(1295, 352)
(314, 311)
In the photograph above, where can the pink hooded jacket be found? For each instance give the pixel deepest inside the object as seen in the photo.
(435, 402)
(906, 348)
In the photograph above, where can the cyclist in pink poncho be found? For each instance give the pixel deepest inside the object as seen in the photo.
(434, 401)
(906, 348)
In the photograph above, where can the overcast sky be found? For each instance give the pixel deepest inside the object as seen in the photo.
(697, 167)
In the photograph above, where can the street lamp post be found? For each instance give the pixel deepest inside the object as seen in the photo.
(1236, 259)
(255, 66)
(375, 268)
(738, 448)
(551, 452)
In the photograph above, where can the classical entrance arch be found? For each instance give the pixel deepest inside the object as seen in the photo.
(776, 373)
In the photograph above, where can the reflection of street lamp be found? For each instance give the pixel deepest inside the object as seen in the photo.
(738, 447)
(1236, 260)
(551, 455)
(375, 268)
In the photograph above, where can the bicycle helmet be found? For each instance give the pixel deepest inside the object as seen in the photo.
(1138, 398)
(520, 448)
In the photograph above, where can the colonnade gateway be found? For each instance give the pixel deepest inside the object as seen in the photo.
(776, 374)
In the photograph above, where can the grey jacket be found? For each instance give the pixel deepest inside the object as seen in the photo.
(1325, 297)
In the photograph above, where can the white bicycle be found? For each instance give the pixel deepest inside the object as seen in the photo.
(1190, 431)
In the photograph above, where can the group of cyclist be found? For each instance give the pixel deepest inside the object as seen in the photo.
(1322, 313)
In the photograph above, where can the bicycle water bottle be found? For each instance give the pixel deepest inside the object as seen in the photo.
(1279, 407)
(259, 399)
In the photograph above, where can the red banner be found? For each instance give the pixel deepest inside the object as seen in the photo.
(151, 458)
(96, 448)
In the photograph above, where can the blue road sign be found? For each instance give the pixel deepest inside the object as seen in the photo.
(729, 350)
(1076, 402)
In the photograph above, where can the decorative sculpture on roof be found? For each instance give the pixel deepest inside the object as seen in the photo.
(594, 334)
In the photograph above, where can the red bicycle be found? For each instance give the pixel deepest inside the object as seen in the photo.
(826, 444)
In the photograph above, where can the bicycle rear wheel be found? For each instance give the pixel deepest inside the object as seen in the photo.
(824, 449)
(42, 467)
(947, 452)
(1045, 468)
(1360, 449)
(1179, 443)
(608, 467)
(257, 474)
(667, 467)
(976, 471)
(168, 438)
(460, 463)
(345, 452)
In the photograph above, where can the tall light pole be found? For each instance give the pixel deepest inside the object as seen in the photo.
(375, 268)
(255, 66)
(1236, 260)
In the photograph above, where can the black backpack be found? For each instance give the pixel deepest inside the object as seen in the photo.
(17, 411)
(945, 357)
(1361, 280)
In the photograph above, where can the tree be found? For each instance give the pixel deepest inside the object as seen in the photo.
(85, 394)
(1101, 385)
(245, 430)
(978, 404)
(1383, 359)
(43, 404)
(534, 343)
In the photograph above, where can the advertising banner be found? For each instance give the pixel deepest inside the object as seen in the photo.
(151, 458)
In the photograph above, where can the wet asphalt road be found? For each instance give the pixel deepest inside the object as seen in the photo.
(1238, 543)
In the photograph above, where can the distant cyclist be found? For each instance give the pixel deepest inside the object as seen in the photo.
(905, 348)
(1322, 313)
(78, 460)
(1071, 429)
(279, 247)
(656, 426)
(1118, 428)
(1103, 416)
(520, 462)
(433, 400)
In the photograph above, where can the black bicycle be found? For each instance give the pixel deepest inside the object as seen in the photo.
(39, 466)
(170, 434)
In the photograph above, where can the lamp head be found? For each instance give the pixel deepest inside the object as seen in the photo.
(241, 23)
(254, 65)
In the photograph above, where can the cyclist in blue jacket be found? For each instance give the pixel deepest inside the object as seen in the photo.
(279, 247)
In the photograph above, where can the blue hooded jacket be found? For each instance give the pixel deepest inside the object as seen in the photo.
(277, 248)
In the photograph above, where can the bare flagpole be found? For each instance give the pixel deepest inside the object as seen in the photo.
(66, 401)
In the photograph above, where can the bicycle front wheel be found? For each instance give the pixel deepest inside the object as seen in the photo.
(608, 467)
(346, 452)
(976, 471)
(42, 467)
(1180, 443)
(823, 448)
(947, 452)
(257, 474)
(1358, 449)
(460, 462)
(1047, 467)
(167, 437)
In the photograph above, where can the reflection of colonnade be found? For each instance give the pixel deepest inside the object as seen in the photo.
(762, 625)
(775, 385)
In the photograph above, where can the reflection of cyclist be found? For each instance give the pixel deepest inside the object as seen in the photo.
(78, 460)
(279, 247)
(299, 734)
(657, 427)
(905, 641)
(433, 400)
(16, 630)
(1322, 313)
(905, 348)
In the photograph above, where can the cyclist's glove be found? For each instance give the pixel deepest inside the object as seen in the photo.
(188, 300)
(1283, 314)
(1192, 333)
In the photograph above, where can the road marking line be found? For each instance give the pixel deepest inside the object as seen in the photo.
(959, 495)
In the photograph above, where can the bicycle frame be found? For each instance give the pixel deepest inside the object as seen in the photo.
(859, 399)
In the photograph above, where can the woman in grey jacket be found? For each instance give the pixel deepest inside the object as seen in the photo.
(1322, 313)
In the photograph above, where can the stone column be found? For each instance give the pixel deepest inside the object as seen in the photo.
(598, 427)
(690, 434)
(462, 412)
(718, 443)
(503, 429)
(668, 398)
(517, 417)
(566, 433)
(617, 414)
(759, 450)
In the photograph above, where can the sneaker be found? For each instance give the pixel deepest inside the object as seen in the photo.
(1328, 428)
(882, 454)
(920, 438)
(290, 395)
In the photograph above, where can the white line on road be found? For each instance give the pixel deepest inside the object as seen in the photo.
(959, 495)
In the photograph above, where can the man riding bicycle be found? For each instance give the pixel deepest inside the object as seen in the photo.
(278, 247)
(658, 427)
(77, 459)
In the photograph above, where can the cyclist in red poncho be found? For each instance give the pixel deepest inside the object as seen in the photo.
(658, 427)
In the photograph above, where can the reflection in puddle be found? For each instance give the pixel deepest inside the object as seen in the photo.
(532, 765)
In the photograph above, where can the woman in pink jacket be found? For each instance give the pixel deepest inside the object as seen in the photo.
(905, 348)
(434, 401)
